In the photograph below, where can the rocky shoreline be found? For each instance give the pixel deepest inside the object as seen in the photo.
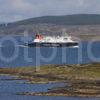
(78, 88)
(59, 94)
(80, 80)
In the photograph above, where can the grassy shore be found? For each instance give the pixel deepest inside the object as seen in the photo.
(57, 72)
(81, 79)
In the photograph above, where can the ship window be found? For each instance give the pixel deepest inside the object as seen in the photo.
(65, 38)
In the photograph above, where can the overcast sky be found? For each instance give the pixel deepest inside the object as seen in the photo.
(12, 10)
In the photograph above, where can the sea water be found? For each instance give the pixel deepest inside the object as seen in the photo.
(86, 53)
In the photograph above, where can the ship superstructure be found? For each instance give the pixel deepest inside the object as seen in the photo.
(50, 41)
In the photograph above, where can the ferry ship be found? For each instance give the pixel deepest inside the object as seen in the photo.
(53, 41)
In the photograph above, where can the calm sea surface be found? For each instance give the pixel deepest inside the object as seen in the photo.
(14, 54)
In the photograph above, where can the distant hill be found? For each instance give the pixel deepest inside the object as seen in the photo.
(75, 24)
(78, 19)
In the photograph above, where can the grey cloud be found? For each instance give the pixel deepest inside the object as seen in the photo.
(12, 10)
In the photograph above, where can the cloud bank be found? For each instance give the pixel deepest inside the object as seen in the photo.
(13, 10)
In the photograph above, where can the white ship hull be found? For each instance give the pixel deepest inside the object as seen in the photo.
(69, 44)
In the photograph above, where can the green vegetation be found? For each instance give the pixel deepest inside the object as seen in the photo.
(56, 72)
